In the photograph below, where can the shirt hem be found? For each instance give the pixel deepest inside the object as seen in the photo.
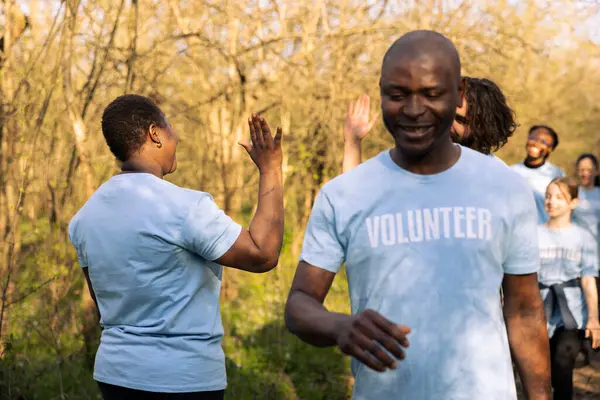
(521, 271)
(160, 389)
(327, 266)
(226, 245)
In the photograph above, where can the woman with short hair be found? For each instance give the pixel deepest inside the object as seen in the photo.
(152, 253)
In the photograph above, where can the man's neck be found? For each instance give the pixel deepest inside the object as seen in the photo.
(534, 162)
(443, 156)
(138, 164)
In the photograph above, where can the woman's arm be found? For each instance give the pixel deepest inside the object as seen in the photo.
(356, 127)
(257, 248)
(86, 273)
(592, 329)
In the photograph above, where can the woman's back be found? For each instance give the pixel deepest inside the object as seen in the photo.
(148, 246)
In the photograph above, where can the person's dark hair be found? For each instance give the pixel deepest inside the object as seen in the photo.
(491, 120)
(594, 161)
(551, 131)
(567, 185)
(125, 122)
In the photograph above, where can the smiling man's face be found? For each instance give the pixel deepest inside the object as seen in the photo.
(540, 144)
(419, 96)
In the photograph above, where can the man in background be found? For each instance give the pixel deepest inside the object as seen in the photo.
(536, 169)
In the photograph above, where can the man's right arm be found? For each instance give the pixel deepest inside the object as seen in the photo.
(306, 298)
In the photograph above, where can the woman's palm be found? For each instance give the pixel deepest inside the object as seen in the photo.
(358, 124)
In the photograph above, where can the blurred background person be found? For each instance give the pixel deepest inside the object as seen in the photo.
(568, 267)
(483, 123)
(536, 169)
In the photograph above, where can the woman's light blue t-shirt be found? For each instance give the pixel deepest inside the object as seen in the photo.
(149, 246)
(565, 255)
(430, 252)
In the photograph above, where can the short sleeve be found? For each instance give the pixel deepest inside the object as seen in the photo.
(522, 247)
(589, 257)
(322, 247)
(79, 246)
(207, 230)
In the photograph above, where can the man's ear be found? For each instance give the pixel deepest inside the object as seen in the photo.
(462, 91)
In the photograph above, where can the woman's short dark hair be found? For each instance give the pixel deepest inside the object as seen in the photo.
(594, 161)
(551, 131)
(125, 122)
(491, 120)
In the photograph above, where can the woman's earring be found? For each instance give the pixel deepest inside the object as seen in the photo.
(159, 145)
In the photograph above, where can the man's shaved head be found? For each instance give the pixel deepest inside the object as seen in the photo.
(420, 89)
(420, 42)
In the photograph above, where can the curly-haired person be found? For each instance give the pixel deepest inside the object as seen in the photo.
(483, 122)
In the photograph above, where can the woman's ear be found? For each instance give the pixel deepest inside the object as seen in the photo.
(573, 204)
(154, 135)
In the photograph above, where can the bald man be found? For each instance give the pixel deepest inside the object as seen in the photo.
(429, 231)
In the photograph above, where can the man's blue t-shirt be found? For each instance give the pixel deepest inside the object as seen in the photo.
(430, 252)
(539, 179)
(565, 255)
(149, 246)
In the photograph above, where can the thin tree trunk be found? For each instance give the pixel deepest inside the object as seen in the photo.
(134, 19)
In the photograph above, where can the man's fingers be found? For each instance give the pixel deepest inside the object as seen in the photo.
(398, 332)
(369, 329)
(368, 341)
(350, 108)
(364, 357)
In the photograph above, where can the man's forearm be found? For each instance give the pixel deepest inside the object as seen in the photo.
(308, 319)
(266, 228)
(530, 348)
(352, 155)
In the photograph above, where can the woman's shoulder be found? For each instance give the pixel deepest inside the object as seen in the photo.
(167, 195)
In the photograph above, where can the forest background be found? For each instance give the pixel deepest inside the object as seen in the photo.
(209, 64)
